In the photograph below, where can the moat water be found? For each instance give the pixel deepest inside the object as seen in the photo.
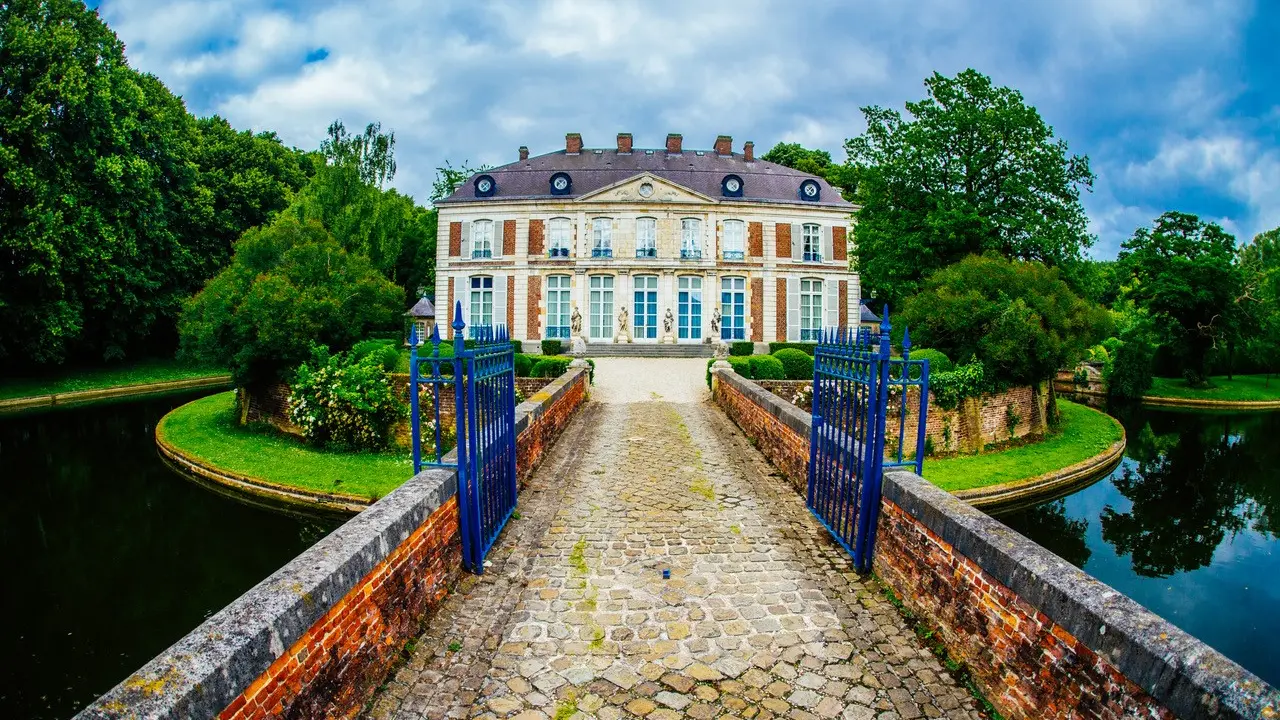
(112, 556)
(1188, 525)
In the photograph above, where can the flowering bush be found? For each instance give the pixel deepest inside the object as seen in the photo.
(344, 401)
(803, 397)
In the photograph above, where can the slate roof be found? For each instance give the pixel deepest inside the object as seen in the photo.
(867, 316)
(422, 309)
(699, 170)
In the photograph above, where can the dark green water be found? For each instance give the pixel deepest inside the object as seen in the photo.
(1187, 526)
(111, 555)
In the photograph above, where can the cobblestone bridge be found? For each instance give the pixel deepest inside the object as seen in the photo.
(761, 616)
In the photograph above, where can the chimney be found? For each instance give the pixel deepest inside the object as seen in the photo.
(624, 143)
(749, 151)
(724, 145)
(573, 143)
(673, 143)
(524, 153)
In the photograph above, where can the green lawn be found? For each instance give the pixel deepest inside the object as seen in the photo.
(136, 373)
(205, 429)
(1085, 432)
(1240, 388)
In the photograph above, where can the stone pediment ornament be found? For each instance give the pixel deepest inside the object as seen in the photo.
(657, 189)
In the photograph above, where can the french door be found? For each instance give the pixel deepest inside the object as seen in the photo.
(601, 300)
(733, 305)
(646, 307)
(689, 302)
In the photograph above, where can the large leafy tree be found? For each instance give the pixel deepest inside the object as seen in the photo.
(1184, 275)
(973, 169)
(290, 285)
(1019, 318)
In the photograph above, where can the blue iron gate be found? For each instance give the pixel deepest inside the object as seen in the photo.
(484, 420)
(853, 382)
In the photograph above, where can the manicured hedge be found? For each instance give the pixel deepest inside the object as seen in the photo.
(740, 365)
(554, 346)
(517, 346)
(741, 348)
(938, 360)
(550, 367)
(795, 363)
(524, 364)
(766, 367)
(386, 352)
(808, 347)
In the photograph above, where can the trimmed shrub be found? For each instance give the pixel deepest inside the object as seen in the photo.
(383, 352)
(515, 345)
(938, 361)
(807, 347)
(795, 363)
(552, 347)
(591, 374)
(550, 367)
(767, 367)
(710, 362)
(741, 348)
(524, 364)
(741, 365)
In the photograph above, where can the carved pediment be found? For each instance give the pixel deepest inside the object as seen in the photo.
(633, 190)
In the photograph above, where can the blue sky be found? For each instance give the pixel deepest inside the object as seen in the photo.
(1176, 102)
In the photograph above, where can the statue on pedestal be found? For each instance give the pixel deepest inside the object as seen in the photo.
(623, 334)
(715, 322)
(668, 322)
(575, 323)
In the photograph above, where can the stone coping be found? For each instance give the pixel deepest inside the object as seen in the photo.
(1186, 675)
(205, 671)
(1048, 485)
(246, 485)
(118, 391)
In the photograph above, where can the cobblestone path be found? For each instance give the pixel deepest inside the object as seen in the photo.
(760, 618)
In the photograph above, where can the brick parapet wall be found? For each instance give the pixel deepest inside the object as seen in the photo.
(1042, 638)
(315, 638)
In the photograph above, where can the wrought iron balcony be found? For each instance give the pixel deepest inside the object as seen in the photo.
(562, 252)
(646, 252)
(690, 254)
(813, 257)
(601, 252)
(477, 253)
(734, 255)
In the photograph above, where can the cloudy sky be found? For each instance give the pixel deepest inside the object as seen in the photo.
(1174, 101)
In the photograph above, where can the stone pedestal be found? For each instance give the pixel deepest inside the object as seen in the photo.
(668, 339)
(579, 346)
(722, 349)
(622, 337)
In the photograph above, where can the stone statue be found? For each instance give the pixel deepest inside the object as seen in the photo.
(575, 323)
(715, 322)
(668, 321)
(622, 320)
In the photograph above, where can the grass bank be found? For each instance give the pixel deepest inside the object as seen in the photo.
(1084, 433)
(1241, 388)
(136, 373)
(205, 430)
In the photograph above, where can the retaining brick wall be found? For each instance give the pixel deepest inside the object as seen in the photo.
(1042, 638)
(315, 638)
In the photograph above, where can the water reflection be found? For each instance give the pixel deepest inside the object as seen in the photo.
(1186, 525)
(113, 556)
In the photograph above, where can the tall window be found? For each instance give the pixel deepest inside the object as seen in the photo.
(810, 309)
(602, 237)
(558, 310)
(481, 301)
(812, 242)
(561, 232)
(734, 240)
(646, 237)
(691, 238)
(482, 238)
(601, 299)
(689, 302)
(733, 306)
(645, 317)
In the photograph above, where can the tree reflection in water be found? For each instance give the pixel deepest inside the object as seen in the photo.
(1050, 528)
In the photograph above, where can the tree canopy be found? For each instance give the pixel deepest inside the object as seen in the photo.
(973, 169)
(1018, 318)
(289, 286)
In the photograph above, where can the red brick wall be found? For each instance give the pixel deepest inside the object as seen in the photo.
(537, 237)
(782, 242)
(977, 422)
(333, 668)
(532, 310)
(455, 239)
(757, 309)
(1029, 666)
(509, 238)
(511, 301)
(755, 239)
(844, 303)
(780, 301)
(840, 243)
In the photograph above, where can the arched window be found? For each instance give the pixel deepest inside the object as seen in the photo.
(481, 238)
(691, 239)
(735, 238)
(561, 237)
(558, 308)
(810, 309)
(602, 237)
(646, 237)
(733, 308)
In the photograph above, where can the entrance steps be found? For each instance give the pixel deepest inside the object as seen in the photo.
(701, 350)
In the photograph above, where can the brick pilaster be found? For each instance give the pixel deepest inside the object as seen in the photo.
(537, 237)
(782, 248)
(757, 308)
(755, 239)
(780, 296)
(532, 310)
(455, 239)
(509, 238)
(840, 243)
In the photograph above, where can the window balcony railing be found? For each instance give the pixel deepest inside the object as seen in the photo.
(813, 257)
(690, 254)
(602, 252)
(555, 252)
(647, 252)
(478, 253)
(734, 255)
(561, 331)
(810, 335)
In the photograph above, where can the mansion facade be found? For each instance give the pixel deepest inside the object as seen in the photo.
(647, 246)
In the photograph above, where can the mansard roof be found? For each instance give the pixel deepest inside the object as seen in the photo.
(699, 170)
